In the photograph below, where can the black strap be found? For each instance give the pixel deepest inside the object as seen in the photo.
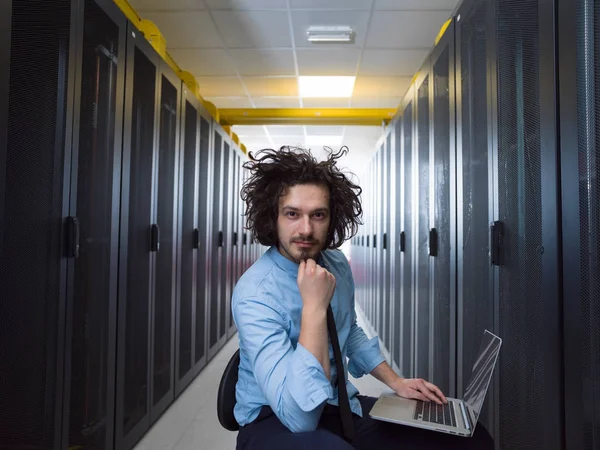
(344, 403)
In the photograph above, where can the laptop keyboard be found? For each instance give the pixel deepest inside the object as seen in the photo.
(434, 413)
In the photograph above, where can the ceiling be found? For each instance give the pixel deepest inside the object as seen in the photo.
(249, 54)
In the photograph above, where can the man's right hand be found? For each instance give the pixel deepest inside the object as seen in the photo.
(316, 285)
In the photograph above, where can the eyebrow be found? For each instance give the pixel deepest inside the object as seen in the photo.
(293, 208)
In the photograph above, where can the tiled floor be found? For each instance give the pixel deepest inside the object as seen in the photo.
(191, 422)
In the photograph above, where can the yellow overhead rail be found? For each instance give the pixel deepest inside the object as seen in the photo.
(306, 116)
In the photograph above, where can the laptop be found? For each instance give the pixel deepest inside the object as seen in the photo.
(458, 417)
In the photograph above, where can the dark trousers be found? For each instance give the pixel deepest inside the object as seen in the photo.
(267, 432)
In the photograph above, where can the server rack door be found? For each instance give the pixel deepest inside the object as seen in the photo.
(474, 208)
(163, 311)
(234, 245)
(442, 246)
(528, 285)
(579, 33)
(204, 219)
(37, 81)
(95, 202)
(421, 196)
(379, 215)
(385, 241)
(227, 242)
(188, 243)
(407, 310)
(216, 247)
(397, 249)
(138, 241)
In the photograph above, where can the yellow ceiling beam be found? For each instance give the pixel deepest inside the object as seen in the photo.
(306, 116)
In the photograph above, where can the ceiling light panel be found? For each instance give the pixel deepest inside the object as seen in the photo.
(326, 87)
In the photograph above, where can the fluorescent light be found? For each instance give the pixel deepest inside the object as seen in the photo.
(326, 87)
(324, 140)
(343, 34)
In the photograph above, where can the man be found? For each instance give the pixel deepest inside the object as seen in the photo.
(289, 393)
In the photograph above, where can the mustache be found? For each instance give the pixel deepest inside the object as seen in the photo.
(308, 240)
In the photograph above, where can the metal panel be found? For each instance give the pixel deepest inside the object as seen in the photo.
(95, 201)
(442, 350)
(397, 286)
(385, 241)
(136, 260)
(38, 79)
(579, 51)
(474, 183)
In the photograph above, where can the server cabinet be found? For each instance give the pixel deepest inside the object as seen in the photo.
(189, 301)
(407, 238)
(442, 213)
(138, 241)
(578, 28)
(475, 295)
(385, 243)
(226, 214)
(37, 83)
(89, 391)
(204, 239)
(163, 333)
(216, 333)
(421, 165)
(525, 178)
(233, 210)
(397, 239)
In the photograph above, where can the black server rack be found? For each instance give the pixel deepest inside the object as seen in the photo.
(204, 240)
(579, 32)
(421, 197)
(397, 237)
(191, 314)
(442, 232)
(91, 316)
(37, 89)
(225, 206)
(475, 296)
(385, 245)
(138, 241)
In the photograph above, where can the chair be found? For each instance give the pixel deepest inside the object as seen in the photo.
(226, 394)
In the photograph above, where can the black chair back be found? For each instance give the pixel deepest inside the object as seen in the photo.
(226, 394)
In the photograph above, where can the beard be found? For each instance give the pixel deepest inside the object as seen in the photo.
(301, 254)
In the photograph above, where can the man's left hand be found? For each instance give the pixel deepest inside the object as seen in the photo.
(418, 389)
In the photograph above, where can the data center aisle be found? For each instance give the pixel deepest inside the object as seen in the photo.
(191, 422)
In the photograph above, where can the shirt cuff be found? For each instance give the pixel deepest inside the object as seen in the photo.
(366, 359)
(307, 383)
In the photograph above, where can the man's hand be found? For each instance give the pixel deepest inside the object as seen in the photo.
(419, 389)
(316, 285)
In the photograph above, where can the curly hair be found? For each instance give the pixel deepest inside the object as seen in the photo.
(274, 172)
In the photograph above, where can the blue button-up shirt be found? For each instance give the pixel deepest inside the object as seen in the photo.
(276, 370)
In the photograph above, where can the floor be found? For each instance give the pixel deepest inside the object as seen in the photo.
(191, 422)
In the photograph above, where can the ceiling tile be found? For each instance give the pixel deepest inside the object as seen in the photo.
(366, 87)
(391, 62)
(431, 5)
(254, 28)
(265, 62)
(357, 20)
(230, 102)
(220, 87)
(204, 62)
(323, 130)
(187, 29)
(254, 144)
(292, 141)
(325, 102)
(271, 87)
(145, 5)
(249, 130)
(246, 4)
(378, 102)
(364, 5)
(285, 130)
(327, 62)
(405, 29)
(276, 102)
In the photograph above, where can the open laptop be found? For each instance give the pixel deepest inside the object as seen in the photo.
(458, 416)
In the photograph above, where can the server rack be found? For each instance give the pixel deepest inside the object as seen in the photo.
(37, 89)
(138, 241)
(578, 32)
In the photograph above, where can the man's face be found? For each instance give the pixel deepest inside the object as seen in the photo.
(303, 221)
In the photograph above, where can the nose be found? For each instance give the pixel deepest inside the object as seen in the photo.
(305, 226)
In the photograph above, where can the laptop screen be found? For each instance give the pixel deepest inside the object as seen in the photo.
(482, 372)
